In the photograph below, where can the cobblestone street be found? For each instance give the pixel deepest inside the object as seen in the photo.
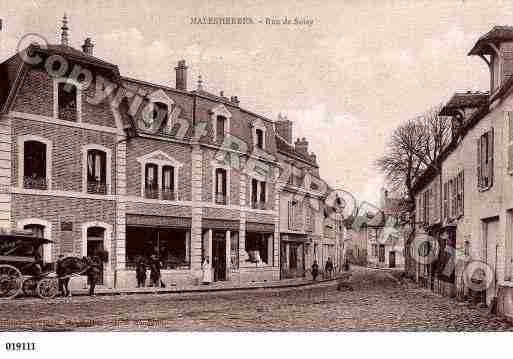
(377, 303)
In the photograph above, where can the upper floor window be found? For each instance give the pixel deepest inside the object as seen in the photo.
(259, 138)
(168, 183)
(67, 100)
(96, 172)
(220, 127)
(293, 215)
(151, 189)
(485, 160)
(159, 176)
(34, 165)
(258, 193)
(221, 186)
(220, 117)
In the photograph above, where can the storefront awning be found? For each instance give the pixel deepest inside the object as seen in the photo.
(259, 227)
(157, 221)
(293, 237)
(222, 224)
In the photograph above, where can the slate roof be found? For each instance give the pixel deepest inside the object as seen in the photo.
(73, 53)
(497, 34)
(286, 148)
(461, 100)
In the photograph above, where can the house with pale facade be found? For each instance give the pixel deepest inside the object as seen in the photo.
(466, 204)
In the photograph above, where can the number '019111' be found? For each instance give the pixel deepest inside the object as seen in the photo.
(11, 346)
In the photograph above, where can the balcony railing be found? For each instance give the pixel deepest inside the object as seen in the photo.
(35, 183)
(220, 198)
(258, 205)
(95, 187)
(168, 194)
(150, 192)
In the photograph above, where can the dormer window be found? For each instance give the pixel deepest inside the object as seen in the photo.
(220, 122)
(67, 100)
(259, 138)
(258, 133)
(220, 127)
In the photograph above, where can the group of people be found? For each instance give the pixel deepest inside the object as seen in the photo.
(329, 269)
(155, 277)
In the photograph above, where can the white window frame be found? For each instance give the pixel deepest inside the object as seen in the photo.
(78, 85)
(47, 233)
(227, 168)
(21, 158)
(258, 125)
(152, 158)
(108, 165)
(221, 110)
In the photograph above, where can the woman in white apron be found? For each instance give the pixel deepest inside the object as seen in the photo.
(207, 271)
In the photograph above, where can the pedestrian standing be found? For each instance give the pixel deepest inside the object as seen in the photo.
(140, 273)
(207, 271)
(315, 270)
(328, 268)
(154, 271)
(62, 277)
(93, 272)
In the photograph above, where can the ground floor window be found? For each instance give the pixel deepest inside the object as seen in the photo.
(234, 250)
(170, 245)
(259, 247)
(381, 252)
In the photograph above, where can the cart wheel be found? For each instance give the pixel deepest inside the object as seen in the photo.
(10, 281)
(47, 288)
(29, 287)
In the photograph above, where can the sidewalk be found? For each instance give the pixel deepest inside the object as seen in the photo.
(212, 287)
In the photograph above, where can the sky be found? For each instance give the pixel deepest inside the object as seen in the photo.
(346, 81)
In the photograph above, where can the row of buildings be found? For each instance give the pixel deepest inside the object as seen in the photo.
(94, 160)
(465, 201)
(377, 236)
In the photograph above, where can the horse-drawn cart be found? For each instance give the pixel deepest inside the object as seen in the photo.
(22, 268)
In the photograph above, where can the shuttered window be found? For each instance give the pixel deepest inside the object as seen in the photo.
(485, 161)
(446, 200)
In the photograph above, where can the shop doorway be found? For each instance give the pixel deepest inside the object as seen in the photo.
(391, 259)
(219, 255)
(95, 239)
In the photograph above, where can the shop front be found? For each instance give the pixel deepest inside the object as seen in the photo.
(293, 248)
(167, 239)
(220, 245)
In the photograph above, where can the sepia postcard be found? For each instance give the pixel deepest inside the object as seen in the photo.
(226, 169)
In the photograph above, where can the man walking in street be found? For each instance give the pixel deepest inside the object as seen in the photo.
(315, 270)
(92, 273)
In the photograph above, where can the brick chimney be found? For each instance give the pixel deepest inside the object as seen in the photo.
(87, 47)
(313, 157)
(302, 146)
(235, 100)
(181, 76)
(284, 128)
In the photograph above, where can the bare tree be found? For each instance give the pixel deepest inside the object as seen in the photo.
(401, 164)
(415, 146)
